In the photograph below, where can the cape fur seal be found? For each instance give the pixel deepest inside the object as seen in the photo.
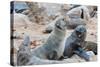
(75, 42)
(54, 47)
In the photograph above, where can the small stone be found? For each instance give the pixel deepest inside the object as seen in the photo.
(91, 55)
(91, 34)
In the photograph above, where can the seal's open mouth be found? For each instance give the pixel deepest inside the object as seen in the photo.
(58, 27)
(79, 34)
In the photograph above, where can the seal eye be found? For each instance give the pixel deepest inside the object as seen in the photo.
(58, 26)
(63, 19)
(79, 34)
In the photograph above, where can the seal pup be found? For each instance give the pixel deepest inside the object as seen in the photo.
(24, 52)
(75, 40)
(53, 48)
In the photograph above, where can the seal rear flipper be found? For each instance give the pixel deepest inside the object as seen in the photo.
(82, 53)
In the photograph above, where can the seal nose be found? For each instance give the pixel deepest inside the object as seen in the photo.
(79, 35)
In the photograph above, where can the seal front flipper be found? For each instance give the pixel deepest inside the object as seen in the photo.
(52, 55)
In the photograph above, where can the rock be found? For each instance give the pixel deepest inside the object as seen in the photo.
(32, 6)
(79, 12)
(74, 22)
(91, 55)
(65, 8)
(19, 7)
(21, 20)
(92, 11)
(91, 34)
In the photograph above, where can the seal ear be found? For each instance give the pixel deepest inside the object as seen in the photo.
(26, 40)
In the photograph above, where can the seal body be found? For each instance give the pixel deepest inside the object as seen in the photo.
(54, 47)
(24, 52)
(75, 40)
